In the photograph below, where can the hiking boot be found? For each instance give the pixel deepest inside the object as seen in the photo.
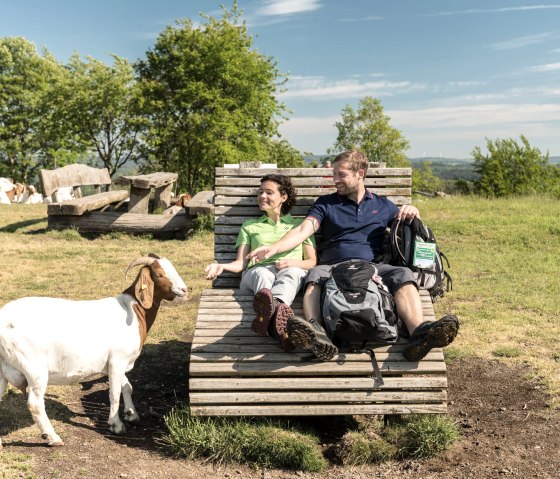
(310, 334)
(263, 304)
(280, 320)
(431, 334)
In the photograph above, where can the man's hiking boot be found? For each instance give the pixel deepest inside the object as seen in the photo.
(310, 334)
(263, 304)
(431, 334)
(280, 320)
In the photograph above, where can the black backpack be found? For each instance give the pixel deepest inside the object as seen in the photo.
(358, 309)
(413, 245)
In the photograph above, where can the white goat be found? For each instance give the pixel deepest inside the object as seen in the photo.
(64, 193)
(60, 341)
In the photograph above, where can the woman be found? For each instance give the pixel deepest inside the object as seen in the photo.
(274, 281)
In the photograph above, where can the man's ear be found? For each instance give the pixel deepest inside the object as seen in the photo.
(144, 288)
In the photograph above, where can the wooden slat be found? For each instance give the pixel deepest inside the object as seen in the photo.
(323, 368)
(309, 172)
(336, 397)
(320, 383)
(317, 409)
(314, 181)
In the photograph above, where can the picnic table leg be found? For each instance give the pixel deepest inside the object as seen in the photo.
(139, 200)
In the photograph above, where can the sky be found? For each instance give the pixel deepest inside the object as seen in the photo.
(449, 73)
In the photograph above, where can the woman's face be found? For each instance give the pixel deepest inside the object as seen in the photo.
(270, 198)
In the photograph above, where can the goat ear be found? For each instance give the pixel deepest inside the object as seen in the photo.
(144, 288)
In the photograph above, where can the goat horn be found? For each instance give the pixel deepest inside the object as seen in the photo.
(142, 261)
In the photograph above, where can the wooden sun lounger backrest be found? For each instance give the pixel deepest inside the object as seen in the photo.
(235, 200)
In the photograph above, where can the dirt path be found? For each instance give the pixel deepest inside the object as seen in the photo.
(508, 430)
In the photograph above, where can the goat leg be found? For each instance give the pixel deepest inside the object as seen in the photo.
(129, 410)
(116, 375)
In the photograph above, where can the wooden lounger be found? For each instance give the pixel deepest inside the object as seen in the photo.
(235, 372)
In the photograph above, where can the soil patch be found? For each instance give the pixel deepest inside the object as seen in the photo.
(507, 429)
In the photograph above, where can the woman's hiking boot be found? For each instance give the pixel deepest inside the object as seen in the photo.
(263, 304)
(310, 334)
(431, 334)
(280, 320)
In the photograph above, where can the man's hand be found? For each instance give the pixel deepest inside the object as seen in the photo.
(408, 212)
(213, 270)
(262, 252)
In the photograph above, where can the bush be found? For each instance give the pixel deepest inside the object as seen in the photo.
(202, 223)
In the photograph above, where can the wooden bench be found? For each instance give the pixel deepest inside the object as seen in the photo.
(235, 372)
(98, 213)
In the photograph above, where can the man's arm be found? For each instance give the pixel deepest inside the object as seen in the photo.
(290, 240)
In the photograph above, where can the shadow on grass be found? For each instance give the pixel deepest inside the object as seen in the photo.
(14, 227)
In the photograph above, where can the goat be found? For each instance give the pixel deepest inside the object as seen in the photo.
(7, 191)
(59, 341)
(64, 193)
(31, 197)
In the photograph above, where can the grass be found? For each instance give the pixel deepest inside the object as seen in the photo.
(503, 253)
(263, 443)
(417, 436)
(504, 257)
(15, 466)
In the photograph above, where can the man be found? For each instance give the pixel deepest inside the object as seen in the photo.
(353, 223)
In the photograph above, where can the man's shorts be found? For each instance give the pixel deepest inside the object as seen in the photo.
(393, 276)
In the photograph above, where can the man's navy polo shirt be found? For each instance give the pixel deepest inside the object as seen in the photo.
(350, 230)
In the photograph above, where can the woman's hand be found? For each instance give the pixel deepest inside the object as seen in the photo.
(213, 270)
(284, 263)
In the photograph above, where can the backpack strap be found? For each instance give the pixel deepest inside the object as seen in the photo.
(378, 378)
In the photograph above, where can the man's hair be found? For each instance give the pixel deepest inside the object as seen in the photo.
(355, 158)
(285, 187)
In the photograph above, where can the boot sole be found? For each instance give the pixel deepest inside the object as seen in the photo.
(303, 336)
(436, 337)
(263, 305)
(281, 318)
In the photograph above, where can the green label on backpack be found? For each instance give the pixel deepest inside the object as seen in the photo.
(424, 254)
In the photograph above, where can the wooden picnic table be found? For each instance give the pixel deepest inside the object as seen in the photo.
(141, 188)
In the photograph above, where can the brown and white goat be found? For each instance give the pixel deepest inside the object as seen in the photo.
(60, 341)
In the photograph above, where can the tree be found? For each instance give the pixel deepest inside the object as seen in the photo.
(511, 168)
(98, 106)
(368, 130)
(25, 80)
(284, 154)
(210, 99)
(423, 179)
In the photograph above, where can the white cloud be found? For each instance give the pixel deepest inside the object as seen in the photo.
(521, 42)
(450, 131)
(288, 7)
(548, 67)
(490, 114)
(493, 10)
(318, 88)
(372, 18)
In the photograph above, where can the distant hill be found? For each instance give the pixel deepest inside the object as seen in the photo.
(448, 168)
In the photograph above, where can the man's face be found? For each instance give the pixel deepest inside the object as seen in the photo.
(345, 180)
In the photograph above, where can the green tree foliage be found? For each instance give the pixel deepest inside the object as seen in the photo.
(98, 107)
(368, 130)
(210, 99)
(423, 179)
(25, 133)
(284, 154)
(511, 168)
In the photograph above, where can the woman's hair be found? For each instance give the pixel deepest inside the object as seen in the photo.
(356, 160)
(285, 187)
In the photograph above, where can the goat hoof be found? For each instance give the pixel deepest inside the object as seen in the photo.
(131, 416)
(117, 429)
(44, 436)
(58, 443)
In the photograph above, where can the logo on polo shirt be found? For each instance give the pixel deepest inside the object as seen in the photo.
(374, 212)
